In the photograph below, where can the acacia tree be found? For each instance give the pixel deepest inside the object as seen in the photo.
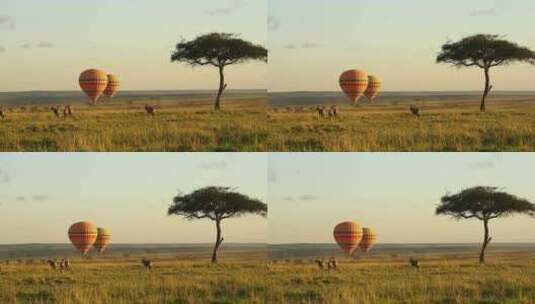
(483, 203)
(216, 204)
(218, 50)
(485, 52)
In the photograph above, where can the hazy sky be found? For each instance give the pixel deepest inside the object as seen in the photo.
(312, 41)
(44, 45)
(42, 194)
(396, 194)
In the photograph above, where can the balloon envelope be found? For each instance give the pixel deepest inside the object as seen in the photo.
(354, 83)
(112, 87)
(103, 239)
(83, 235)
(368, 239)
(93, 82)
(374, 87)
(348, 236)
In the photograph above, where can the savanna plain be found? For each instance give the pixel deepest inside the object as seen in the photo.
(288, 274)
(417, 121)
(179, 121)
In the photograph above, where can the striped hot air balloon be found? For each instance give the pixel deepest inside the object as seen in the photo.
(83, 235)
(93, 82)
(354, 83)
(103, 239)
(368, 239)
(374, 87)
(348, 236)
(112, 87)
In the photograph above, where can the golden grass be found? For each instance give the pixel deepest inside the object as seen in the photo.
(126, 281)
(507, 278)
(241, 126)
(506, 126)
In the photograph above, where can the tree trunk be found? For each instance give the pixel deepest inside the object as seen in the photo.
(487, 90)
(218, 241)
(222, 87)
(486, 241)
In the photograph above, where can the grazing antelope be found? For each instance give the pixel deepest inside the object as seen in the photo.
(55, 109)
(2, 113)
(149, 109)
(414, 263)
(52, 264)
(67, 111)
(415, 110)
(147, 264)
(64, 264)
(322, 112)
(333, 111)
(321, 263)
(332, 265)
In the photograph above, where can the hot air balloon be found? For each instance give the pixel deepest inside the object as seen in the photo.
(354, 83)
(93, 82)
(374, 87)
(368, 239)
(103, 239)
(83, 235)
(112, 87)
(348, 236)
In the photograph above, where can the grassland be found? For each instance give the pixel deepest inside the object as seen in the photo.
(185, 126)
(507, 278)
(125, 281)
(245, 277)
(443, 126)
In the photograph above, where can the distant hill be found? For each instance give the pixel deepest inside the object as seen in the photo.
(281, 99)
(74, 97)
(284, 251)
(47, 250)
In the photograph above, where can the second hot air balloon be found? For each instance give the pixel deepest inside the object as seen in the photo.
(93, 82)
(348, 236)
(112, 87)
(354, 83)
(374, 87)
(103, 239)
(83, 235)
(368, 239)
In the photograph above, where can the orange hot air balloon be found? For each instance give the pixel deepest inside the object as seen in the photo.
(368, 239)
(348, 236)
(354, 83)
(93, 82)
(83, 235)
(374, 87)
(112, 87)
(103, 239)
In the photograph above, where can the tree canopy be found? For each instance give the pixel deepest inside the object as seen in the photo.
(483, 203)
(484, 51)
(217, 49)
(215, 203)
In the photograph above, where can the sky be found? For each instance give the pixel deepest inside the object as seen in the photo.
(393, 193)
(42, 194)
(312, 42)
(45, 45)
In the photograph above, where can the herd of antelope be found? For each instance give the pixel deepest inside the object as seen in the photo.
(322, 111)
(330, 112)
(331, 264)
(57, 110)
